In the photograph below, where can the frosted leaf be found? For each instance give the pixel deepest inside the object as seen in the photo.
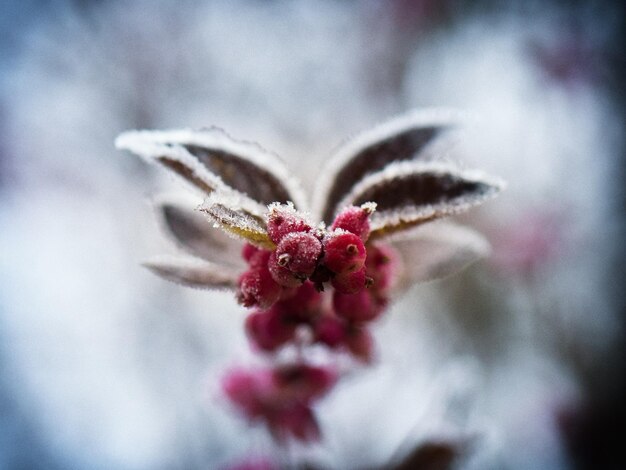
(403, 138)
(194, 273)
(435, 251)
(411, 193)
(193, 233)
(243, 166)
(175, 158)
(231, 212)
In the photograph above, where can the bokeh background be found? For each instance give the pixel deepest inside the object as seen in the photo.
(520, 358)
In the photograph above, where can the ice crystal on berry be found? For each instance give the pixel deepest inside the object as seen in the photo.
(314, 283)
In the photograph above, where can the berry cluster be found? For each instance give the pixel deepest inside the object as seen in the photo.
(317, 287)
(281, 396)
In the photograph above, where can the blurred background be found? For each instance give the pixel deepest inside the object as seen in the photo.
(519, 358)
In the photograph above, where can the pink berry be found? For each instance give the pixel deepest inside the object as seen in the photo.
(284, 219)
(296, 421)
(248, 251)
(360, 307)
(268, 330)
(382, 265)
(248, 390)
(303, 383)
(330, 330)
(351, 283)
(344, 252)
(281, 274)
(298, 252)
(258, 288)
(355, 220)
(303, 304)
(258, 259)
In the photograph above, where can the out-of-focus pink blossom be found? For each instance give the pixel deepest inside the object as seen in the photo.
(360, 307)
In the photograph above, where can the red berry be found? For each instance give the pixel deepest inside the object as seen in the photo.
(258, 288)
(298, 252)
(281, 274)
(350, 283)
(344, 252)
(248, 251)
(270, 329)
(354, 220)
(259, 258)
(382, 266)
(284, 219)
(303, 383)
(330, 330)
(248, 390)
(304, 304)
(360, 307)
(297, 421)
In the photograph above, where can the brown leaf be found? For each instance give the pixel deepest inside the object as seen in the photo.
(403, 138)
(242, 166)
(194, 233)
(411, 193)
(173, 157)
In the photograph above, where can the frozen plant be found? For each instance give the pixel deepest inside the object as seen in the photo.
(314, 282)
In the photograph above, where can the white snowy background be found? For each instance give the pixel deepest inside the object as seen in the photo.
(103, 365)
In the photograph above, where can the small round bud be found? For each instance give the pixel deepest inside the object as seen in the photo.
(281, 274)
(302, 382)
(299, 253)
(248, 251)
(382, 267)
(268, 330)
(284, 219)
(350, 283)
(246, 390)
(295, 421)
(258, 259)
(258, 288)
(304, 304)
(354, 220)
(344, 252)
(360, 307)
(330, 330)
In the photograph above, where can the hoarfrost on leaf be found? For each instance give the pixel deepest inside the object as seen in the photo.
(211, 160)
(173, 157)
(193, 273)
(402, 138)
(233, 214)
(411, 193)
(190, 230)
